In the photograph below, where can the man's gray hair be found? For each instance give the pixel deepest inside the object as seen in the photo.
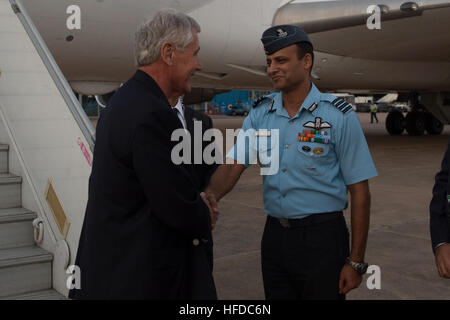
(167, 25)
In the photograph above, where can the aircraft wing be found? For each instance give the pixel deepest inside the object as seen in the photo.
(410, 31)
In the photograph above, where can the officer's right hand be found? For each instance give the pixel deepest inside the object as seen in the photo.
(442, 255)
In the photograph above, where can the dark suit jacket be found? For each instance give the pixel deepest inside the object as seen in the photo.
(143, 211)
(439, 208)
(203, 172)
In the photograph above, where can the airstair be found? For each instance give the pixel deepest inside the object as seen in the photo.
(46, 143)
(25, 269)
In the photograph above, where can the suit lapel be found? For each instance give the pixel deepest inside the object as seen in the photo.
(189, 121)
(188, 117)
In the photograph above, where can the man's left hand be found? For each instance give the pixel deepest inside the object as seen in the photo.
(349, 279)
(212, 206)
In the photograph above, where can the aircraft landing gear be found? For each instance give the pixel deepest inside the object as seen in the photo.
(433, 125)
(395, 122)
(415, 123)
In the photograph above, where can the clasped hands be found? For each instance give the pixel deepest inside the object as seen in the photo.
(210, 200)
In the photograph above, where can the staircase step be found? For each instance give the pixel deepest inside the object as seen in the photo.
(16, 214)
(25, 269)
(4, 148)
(10, 191)
(40, 295)
(16, 227)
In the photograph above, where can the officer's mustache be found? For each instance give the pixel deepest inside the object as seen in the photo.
(278, 74)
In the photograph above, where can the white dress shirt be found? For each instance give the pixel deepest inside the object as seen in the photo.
(180, 113)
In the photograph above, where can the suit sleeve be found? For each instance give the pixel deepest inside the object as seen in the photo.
(439, 224)
(168, 187)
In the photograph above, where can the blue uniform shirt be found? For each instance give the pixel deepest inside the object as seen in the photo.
(312, 176)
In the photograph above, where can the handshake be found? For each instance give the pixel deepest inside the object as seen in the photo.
(211, 201)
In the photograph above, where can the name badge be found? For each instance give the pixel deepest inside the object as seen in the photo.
(262, 133)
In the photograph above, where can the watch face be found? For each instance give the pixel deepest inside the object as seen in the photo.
(363, 268)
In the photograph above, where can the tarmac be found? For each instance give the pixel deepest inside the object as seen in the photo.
(399, 241)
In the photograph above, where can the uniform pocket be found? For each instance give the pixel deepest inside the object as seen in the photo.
(313, 150)
(312, 157)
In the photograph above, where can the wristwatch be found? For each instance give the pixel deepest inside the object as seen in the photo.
(360, 267)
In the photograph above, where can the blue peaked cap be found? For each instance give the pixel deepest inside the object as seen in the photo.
(279, 37)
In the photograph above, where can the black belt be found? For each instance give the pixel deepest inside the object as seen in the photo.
(310, 220)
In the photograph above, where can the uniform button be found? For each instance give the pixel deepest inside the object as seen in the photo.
(287, 146)
(195, 242)
(284, 170)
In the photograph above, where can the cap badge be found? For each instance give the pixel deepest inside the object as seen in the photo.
(281, 33)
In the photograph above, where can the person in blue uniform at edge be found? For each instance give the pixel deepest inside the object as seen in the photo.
(322, 155)
(440, 218)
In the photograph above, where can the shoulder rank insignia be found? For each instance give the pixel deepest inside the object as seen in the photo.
(317, 124)
(342, 105)
(261, 99)
(312, 107)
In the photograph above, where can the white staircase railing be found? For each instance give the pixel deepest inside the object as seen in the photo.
(50, 138)
(55, 72)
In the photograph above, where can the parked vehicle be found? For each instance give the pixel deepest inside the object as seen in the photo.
(235, 110)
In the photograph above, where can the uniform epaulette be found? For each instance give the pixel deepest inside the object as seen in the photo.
(339, 103)
(261, 99)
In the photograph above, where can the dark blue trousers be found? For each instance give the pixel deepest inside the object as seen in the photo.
(303, 261)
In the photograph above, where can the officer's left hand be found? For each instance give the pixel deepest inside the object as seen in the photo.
(349, 279)
(443, 260)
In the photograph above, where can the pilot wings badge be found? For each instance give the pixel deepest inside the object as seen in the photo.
(317, 124)
(281, 33)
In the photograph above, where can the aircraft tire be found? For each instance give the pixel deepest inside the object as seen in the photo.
(394, 123)
(415, 123)
(433, 125)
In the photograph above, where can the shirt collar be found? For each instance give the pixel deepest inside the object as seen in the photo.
(312, 99)
(180, 107)
(310, 103)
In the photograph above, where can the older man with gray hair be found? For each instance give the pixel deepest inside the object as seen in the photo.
(147, 231)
